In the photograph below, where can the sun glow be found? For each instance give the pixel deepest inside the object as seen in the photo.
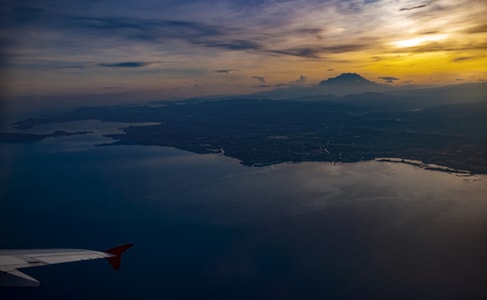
(420, 40)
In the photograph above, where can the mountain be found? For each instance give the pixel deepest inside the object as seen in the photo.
(352, 83)
(367, 91)
(350, 79)
(342, 85)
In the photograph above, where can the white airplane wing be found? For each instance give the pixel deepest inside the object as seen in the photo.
(11, 260)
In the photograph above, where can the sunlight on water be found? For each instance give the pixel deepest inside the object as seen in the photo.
(395, 222)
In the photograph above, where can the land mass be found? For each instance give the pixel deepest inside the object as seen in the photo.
(262, 132)
(343, 119)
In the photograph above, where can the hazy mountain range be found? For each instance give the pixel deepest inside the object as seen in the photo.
(354, 87)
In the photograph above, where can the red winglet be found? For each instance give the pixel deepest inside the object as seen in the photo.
(117, 252)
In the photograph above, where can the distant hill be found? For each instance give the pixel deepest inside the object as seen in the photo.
(366, 91)
(342, 85)
(447, 94)
(349, 79)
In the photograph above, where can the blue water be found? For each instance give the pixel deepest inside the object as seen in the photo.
(205, 226)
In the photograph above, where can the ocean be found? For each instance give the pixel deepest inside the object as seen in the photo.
(207, 227)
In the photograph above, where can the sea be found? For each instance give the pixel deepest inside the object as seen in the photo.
(207, 227)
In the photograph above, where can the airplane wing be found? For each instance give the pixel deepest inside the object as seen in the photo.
(11, 260)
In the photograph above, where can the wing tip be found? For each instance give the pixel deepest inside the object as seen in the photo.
(116, 253)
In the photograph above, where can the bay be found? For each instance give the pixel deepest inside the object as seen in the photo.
(205, 226)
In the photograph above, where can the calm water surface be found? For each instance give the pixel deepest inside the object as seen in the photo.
(205, 226)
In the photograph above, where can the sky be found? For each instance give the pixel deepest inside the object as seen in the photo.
(124, 49)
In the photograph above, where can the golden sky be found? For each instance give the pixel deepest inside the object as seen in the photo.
(163, 49)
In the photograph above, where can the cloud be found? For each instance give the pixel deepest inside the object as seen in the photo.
(267, 28)
(268, 38)
(301, 52)
(302, 80)
(442, 46)
(160, 30)
(477, 29)
(72, 66)
(281, 85)
(317, 51)
(309, 30)
(128, 64)
(462, 58)
(259, 78)
(388, 79)
(414, 7)
(79, 38)
(224, 71)
(230, 44)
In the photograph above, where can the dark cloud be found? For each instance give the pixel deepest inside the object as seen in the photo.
(156, 31)
(330, 70)
(282, 85)
(349, 7)
(430, 32)
(309, 30)
(278, 85)
(224, 71)
(72, 66)
(414, 7)
(462, 58)
(19, 15)
(388, 79)
(343, 48)
(298, 82)
(103, 23)
(160, 31)
(230, 44)
(261, 79)
(317, 51)
(128, 64)
(301, 52)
